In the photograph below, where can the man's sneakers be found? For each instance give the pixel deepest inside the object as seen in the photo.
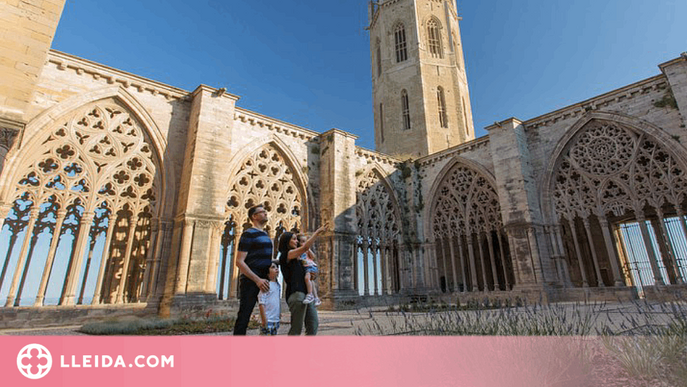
(318, 302)
(308, 299)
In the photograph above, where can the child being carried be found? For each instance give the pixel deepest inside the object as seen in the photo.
(307, 259)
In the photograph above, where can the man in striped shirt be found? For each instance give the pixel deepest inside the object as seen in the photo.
(253, 260)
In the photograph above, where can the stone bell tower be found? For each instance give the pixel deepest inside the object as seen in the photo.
(419, 83)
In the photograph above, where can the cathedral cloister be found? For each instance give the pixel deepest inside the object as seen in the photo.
(120, 195)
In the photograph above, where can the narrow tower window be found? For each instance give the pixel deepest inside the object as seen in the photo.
(400, 39)
(379, 58)
(441, 102)
(434, 39)
(381, 121)
(405, 109)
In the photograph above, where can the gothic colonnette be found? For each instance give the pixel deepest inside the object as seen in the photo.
(124, 196)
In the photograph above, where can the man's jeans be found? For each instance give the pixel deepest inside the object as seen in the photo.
(302, 313)
(248, 296)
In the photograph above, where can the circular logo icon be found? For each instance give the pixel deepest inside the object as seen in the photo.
(34, 361)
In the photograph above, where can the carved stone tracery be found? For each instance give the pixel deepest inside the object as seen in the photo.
(96, 161)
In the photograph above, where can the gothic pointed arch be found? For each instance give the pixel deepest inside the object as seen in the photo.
(92, 175)
(607, 161)
(33, 137)
(377, 267)
(610, 169)
(266, 173)
(465, 224)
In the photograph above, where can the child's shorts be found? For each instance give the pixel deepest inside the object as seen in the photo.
(271, 330)
(311, 269)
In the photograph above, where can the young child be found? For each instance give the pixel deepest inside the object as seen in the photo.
(269, 303)
(308, 261)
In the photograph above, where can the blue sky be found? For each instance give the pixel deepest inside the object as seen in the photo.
(307, 62)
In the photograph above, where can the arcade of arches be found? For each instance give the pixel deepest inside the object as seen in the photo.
(120, 192)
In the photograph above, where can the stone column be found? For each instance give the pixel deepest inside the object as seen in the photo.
(33, 215)
(494, 274)
(443, 261)
(665, 240)
(595, 260)
(184, 256)
(453, 265)
(658, 279)
(27, 265)
(104, 258)
(162, 242)
(213, 264)
(52, 250)
(612, 257)
(573, 231)
(127, 258)
(375, 255)
(504, 263)
(561, 248)
(150, 256)
(473, 267)
(485, 286)
(366, 276)
(462, 262)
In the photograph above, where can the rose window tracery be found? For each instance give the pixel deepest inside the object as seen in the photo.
(609, 168)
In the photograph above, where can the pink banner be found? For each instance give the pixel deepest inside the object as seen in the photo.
(300, 361)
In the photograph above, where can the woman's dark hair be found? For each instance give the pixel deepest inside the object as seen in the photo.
(283, 249)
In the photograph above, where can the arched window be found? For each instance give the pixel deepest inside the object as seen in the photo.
(379, 58)
(434, 39)
(441, 102)
(405, 109)
(400, 39)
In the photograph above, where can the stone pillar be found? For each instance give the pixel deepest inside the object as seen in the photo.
(33, 215)
(337, 207)
(202, 196)
(561, 248)
(366, 269)
(52, 250)
(150, 255)
(520, 207)
(658, 279)
(163, 241)
(583, 273)
(595, 260)
(490, 244)
(462, 262)
(485, 284)
(473, 267)
(665, 243)
(184, 256)
(612, 257)
(127, 258)
(104, 258)
(504, 263)
(443, 261)
(453, 265)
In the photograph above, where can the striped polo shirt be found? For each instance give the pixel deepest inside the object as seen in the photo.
(258, 246)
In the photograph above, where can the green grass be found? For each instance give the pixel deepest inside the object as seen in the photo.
(163, 327)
